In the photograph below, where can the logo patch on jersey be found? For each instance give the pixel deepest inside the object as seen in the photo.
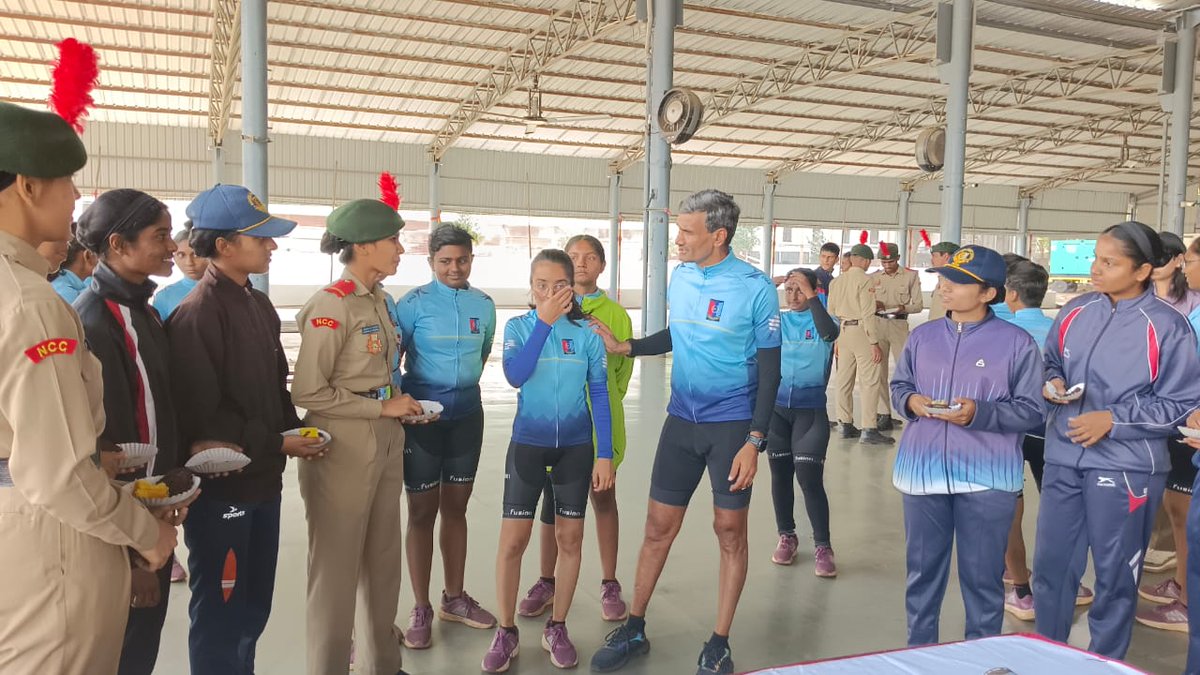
(1067, 353)
(474, 324)
(715, 309)
(568, 346)
(325, 322)
(52, 347)
(370, 330)
(808, 334)
(980, 364)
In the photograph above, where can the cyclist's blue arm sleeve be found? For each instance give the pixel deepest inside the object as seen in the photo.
(520, 360)
(601, 417)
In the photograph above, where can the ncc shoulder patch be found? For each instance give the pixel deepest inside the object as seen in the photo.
(52, 347)
(325, 322)
(342, 288)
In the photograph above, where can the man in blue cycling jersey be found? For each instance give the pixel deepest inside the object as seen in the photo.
(724, 332)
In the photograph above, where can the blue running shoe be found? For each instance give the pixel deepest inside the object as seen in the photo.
(715, 661)
(622, 644)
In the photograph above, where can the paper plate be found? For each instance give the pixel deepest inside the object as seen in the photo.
(325, 436)
(165, 501)
(1189, 432)
(431, 408)
(217, 460)
(136, 455)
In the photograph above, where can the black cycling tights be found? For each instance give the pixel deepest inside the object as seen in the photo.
(811, 476)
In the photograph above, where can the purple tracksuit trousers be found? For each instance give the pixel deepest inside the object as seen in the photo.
(1112, 513)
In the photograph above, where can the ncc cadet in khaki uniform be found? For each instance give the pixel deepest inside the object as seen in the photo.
(852, 301)
(897, 294)
(64, 528)
(940, 255)
(352, 496)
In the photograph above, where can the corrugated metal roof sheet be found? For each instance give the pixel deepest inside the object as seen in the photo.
(355, 69)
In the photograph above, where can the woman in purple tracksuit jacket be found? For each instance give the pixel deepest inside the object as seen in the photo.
(1106, 452)
(960, 469)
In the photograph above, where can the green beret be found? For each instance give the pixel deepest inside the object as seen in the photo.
(38, 144)
(944, 247)
(364, 220)
(862, 251)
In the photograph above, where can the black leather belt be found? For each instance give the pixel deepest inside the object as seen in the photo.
(850, 323)
(378, 393)
(897, 316)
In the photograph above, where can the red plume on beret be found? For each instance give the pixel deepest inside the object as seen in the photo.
(863, 237)
(925, 239)
(388, 193)
(74, 77)
(883, 250)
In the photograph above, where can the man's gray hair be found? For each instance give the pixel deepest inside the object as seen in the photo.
(719, 209)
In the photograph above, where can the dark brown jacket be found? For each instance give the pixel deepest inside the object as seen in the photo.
(229, 378)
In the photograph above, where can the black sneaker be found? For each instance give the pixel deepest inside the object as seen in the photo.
(873, 437)
(620, 645)
(715, 661)
(849, 430)
(883, 422)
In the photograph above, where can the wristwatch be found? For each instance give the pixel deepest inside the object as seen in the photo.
(759, 442)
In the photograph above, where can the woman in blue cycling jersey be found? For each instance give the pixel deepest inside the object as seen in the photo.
(557, 362)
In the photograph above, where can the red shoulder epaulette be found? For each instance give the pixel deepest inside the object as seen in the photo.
(342, 288)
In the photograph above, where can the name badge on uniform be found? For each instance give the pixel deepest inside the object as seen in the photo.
(474, 324)
(715, 309)
(370, 330)
(568, 346)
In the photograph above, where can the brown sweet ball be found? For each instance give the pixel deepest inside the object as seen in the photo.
(178, 481)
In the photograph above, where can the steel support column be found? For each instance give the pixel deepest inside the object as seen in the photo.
(254, 109)
(658, 190)
(614, 236)
(957, 75)
(1023, 226)
(902, 225)
(218, 164)
(1181, 119)
(435, 194)
(768, 227)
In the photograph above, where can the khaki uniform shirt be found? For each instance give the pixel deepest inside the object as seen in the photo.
(900, 293)
(348, 343)
(936, 311)
(851, 299)
(52, 408)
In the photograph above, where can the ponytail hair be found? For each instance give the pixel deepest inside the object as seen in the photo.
(1174, 247)
(559, 257)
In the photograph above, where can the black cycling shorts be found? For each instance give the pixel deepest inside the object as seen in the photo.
(525, 474)
(1183, 472)
(801, 434)
(445, 451)
(1033, 449)
(685, 449)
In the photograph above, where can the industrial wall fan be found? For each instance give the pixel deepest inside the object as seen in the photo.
(931, 149)
(679, 115)
(534, 119)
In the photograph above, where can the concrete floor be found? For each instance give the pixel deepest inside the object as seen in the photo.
(786, 613)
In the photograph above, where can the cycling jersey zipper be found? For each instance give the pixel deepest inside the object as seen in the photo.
(950, 394)
(1087, 366)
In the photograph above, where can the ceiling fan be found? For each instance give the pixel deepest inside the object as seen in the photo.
(534, 119)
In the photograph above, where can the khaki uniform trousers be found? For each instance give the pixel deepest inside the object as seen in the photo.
(64, 600)
(352, 504)
(893, 333)
(855, 366)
